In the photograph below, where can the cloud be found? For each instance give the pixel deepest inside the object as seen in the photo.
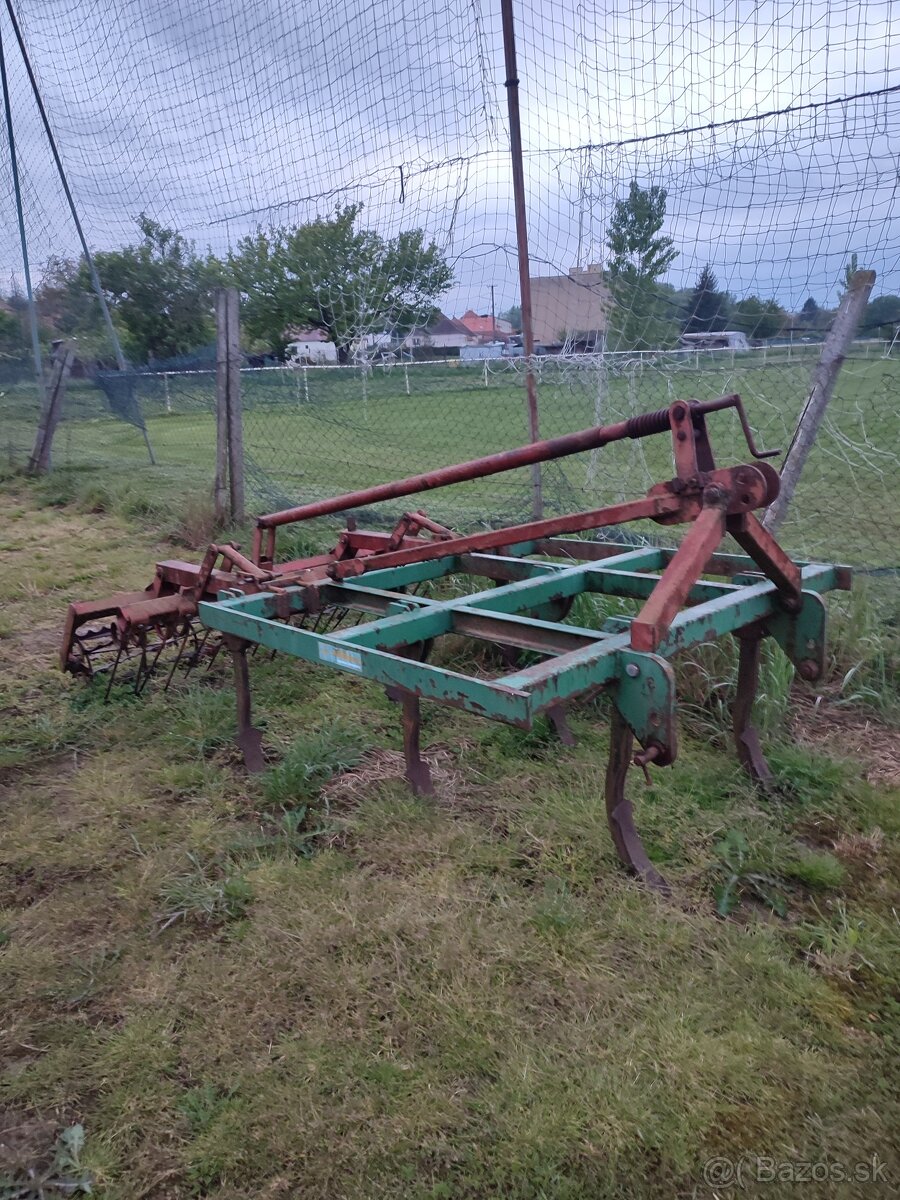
(219, 116)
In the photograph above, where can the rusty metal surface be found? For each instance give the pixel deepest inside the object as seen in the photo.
(632, 510)
(704, 536)
(746, 737)
(248, 738)
(418, 773)
(755, 540)
(619, 811)
(645, 425)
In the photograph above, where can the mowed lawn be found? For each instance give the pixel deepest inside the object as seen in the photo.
(311, 984)
(320, 432)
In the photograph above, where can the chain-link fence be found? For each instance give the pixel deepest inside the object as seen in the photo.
(315, 431)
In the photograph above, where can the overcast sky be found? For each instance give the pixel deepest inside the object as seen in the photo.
(220, 116)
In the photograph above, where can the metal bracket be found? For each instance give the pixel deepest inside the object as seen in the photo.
(801, 635)
(645, 696)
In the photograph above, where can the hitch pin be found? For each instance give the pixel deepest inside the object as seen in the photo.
(643, 757)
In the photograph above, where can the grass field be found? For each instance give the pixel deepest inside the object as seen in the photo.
(330, 431)
(313, 985)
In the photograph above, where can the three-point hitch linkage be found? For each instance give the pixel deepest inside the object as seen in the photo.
(321, 608)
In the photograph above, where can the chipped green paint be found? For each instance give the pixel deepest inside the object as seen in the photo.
(802, 635)
(645, 696)
(483, 697)
(578, 660)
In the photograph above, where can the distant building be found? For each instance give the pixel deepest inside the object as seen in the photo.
(570, 308)
(727, 339)
(444, 333)
(485, 326)
(310, 347)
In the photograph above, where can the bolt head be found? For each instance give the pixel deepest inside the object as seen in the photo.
(632, 670)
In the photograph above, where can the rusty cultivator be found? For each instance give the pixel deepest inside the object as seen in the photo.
(356, 609)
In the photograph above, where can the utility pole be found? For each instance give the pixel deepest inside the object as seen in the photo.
(518, 180)
(836, 344)
(493, 313)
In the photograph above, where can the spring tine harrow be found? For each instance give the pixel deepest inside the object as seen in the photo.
(112, 674)
(181, 648)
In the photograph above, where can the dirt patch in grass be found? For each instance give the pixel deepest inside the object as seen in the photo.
(26, 1147)
(846, 733)
(383, 766)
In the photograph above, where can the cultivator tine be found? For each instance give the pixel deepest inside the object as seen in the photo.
(215, 653)
(418, 773)
(746, 737)
(556, 715)
(317, 622)
(140, 672)
(619, 812)
(167, 639)
(249, 738)
(338, 615)
(142, 681)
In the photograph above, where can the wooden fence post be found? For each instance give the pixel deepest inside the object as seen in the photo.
(825, 375)
(229, 480)
(54, 397)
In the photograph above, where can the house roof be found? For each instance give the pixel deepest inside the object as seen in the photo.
(474, 323)
(307, 335)
(445, 325)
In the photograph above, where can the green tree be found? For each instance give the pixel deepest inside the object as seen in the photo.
(11, 339)
(810, 311)
(882, 317)
(707, 307)
(159, 290)
(332, 276)
(639, 255)
(68, 311)
(514, 315)
(758, 318)
(812, 318)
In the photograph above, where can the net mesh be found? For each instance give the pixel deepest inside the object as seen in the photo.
(758, 141)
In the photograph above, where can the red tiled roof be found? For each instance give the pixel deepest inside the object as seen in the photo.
(476, 324)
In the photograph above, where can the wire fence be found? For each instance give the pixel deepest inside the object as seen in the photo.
(688, 168)
(314, 431)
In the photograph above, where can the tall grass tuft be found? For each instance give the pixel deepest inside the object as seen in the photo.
(707, 681)
(864, 645)
(311, 761)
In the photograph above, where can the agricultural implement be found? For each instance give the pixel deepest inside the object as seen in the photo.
(357, 608)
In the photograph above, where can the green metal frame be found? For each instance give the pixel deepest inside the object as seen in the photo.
(578, 661)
